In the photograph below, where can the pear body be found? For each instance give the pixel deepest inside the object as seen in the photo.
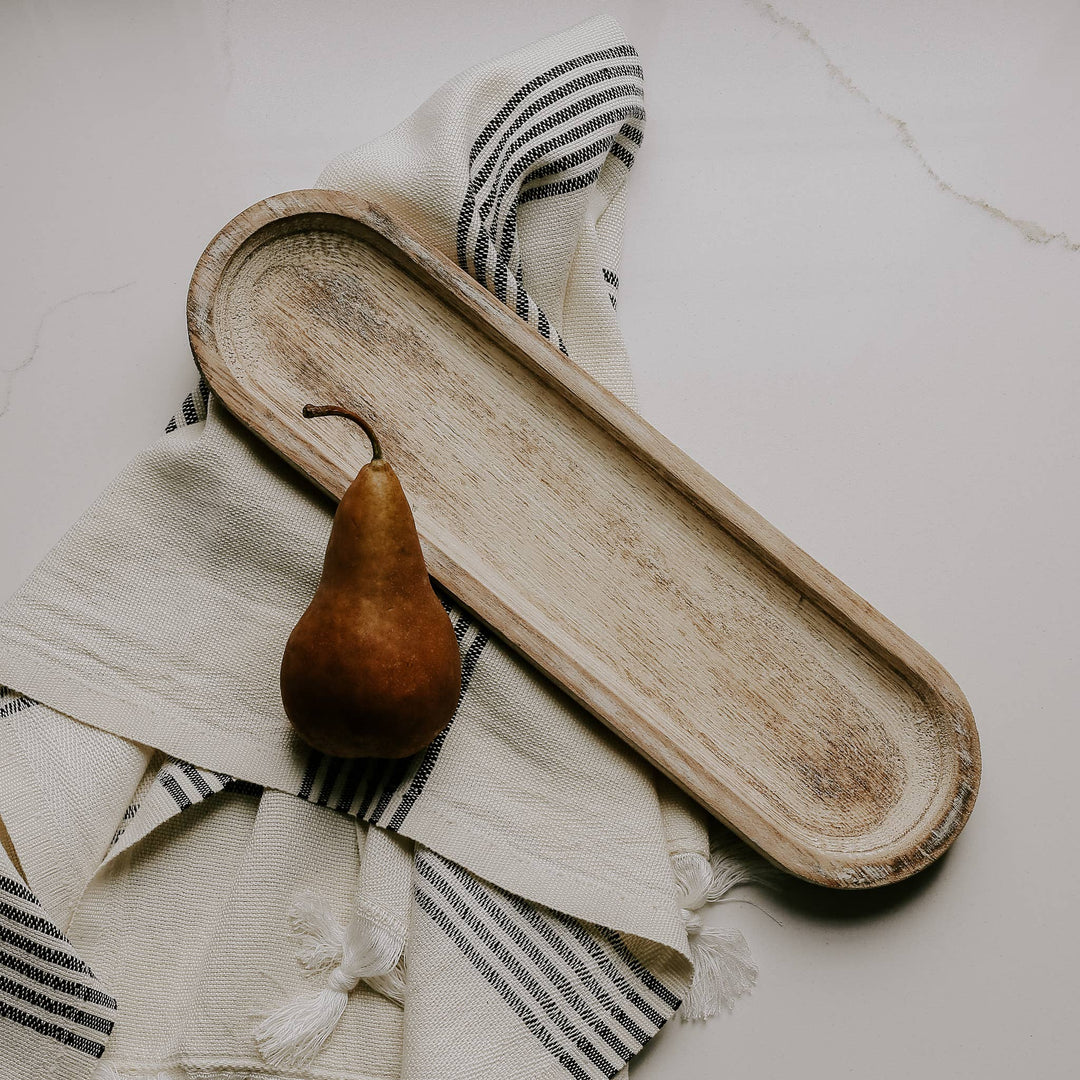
(372, 669)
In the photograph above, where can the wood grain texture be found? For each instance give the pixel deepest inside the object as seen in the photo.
(757, 681)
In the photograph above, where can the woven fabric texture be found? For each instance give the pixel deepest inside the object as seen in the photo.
(169, 823)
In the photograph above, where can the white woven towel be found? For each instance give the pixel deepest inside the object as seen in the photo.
(203, 862)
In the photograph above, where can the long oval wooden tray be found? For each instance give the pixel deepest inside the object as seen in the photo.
(757, 681)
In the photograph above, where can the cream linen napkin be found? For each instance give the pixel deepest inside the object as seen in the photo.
(247, 902)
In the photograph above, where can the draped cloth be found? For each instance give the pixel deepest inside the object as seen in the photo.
(518, 898)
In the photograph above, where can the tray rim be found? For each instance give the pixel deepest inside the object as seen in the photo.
(839, 602)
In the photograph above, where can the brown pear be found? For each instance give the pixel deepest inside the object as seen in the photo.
(372, 669)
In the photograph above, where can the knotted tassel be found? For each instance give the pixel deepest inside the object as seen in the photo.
(367, 950)
(723, 968)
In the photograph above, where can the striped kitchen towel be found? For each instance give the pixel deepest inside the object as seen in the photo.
(51, 1004)
(521, 897)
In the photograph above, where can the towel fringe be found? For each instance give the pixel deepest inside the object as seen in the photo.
(364, 951)
(724, 969)
(318, 933)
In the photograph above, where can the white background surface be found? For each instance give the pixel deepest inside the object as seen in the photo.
(851, 289)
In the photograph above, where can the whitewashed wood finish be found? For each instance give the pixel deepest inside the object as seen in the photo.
(757, 681)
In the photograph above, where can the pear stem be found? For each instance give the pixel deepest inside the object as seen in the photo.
(336, 410)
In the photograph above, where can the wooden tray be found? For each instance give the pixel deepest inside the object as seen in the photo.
(768, 690)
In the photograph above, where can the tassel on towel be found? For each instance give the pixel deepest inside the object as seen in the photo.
(367, 950)
(723, 967)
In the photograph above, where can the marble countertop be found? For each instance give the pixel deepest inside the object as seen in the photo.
(850, 290)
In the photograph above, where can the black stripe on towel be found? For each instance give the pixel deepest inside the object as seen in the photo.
(35, 997)
(27, 970)
(549, 978)
(607, 960)
(172, 786)
(431, 754)
(506, 151)
(531, 87)
(596, 1004)
(192, 409)
(196, 777)
(14, 704)
(532, 1022)
(52, 1031)
(509, 146)
(12, 990)
(638, 968)
(56, 957)
(526, 154)
(585, 969)
(384, 791)
(526, 150)
(560, 187)
(623, 155)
